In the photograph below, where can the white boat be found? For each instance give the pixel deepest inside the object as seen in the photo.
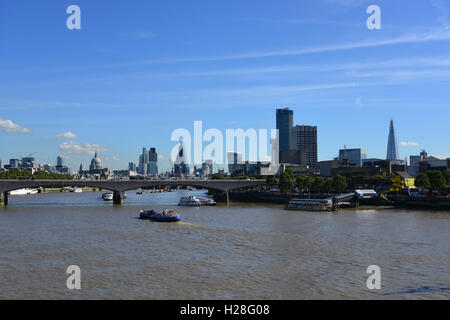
(108, 196)
(207, 201)
(22, 192)
(76, 190)
(189, 201)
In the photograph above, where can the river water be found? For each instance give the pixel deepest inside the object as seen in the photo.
(241, 251)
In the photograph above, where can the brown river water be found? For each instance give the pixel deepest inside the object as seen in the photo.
(240, 251)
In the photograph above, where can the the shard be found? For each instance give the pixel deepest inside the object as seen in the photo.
(392, 148)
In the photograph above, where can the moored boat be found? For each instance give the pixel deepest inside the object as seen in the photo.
(108, 196)
(207, 201)
(164, 216)
(310, 205)
(189, 201)
(22, 192)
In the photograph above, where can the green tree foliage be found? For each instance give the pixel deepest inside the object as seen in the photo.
(287, 181)
(38, 175)
(271, 181)
(397, 183)
(318, 184)
(339, 183)
(304, 182)
(422, 181)
(218, 176)
(328, 187)
(437, 181)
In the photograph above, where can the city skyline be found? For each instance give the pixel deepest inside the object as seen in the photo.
(64, 92)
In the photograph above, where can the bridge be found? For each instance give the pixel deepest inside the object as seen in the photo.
(118, 187)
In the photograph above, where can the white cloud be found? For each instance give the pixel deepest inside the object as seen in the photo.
(67, 135)
(114, 158)
(10, 126)
(409, 144)
(72, 147)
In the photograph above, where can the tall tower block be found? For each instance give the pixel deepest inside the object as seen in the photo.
(392, 148)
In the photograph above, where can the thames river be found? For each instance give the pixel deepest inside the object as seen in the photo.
(241, 251)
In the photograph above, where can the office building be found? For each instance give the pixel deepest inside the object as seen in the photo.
(305, 138)
(285, 121)
(293, 157)
(234, 161)
(132, 166)
(354, 156)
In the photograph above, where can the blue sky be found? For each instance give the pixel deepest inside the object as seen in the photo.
(137, 70)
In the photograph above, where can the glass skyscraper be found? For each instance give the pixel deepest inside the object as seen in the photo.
(285, 121)
(392, 148)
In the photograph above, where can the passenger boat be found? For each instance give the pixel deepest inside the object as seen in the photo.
(76, 190)
(164, 216)
(189, 201)
(310, 205)
(108, 196)
(207, 201)
(22, 192)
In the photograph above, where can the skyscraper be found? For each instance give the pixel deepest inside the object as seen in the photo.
(305, 138)
(180, 167)
(356, 156)
(235, 162)
(285, 121)
(392, 148)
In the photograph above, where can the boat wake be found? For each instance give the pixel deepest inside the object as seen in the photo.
(425, 289)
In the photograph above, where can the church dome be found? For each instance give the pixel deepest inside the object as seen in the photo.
(96, 163)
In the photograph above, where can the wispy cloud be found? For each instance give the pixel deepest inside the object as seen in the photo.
(9, 126)
(72, 147)
(409, 144)
(66, 135)
(443, 18)
(436, 35)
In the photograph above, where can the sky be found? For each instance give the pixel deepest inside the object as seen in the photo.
(138, 70)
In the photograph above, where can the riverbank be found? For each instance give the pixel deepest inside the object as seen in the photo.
(396, 202)
(58, 190)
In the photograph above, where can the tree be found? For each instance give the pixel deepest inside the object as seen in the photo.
(218, 176)
(318, 184)
(271, 181)
(328, 187)
(287, 181)
(339, 183)
(397, 183)
(437, 181)
(301, 182)
(422, 181)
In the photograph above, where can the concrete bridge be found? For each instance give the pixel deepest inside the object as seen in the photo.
(117, 187)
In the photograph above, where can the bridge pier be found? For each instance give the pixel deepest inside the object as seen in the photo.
(4, 198)
(228, 197)
(117, 197)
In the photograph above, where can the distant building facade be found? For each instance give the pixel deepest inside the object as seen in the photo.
(285, 121)
(305, 138)
(355, 156)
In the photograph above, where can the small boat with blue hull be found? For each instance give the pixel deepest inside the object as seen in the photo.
(164, 216)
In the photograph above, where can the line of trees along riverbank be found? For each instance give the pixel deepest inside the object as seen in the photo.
(27, 175)
(432, 181)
